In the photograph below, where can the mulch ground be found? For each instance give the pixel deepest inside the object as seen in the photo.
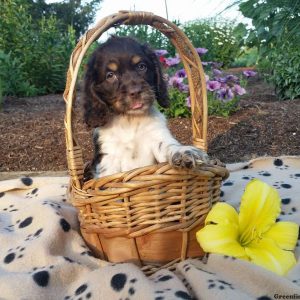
(32, 130)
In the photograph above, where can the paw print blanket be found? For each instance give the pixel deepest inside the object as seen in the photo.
(42, 255)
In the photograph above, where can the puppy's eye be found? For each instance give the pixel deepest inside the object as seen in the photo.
(110, 76)
(141, 67)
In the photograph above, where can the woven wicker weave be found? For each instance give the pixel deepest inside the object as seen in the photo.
(149, 215)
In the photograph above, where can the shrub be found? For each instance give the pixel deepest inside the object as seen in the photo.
(247, 58)
(178, 105)
(12, 80)
(147, 34)
(35, 56)
(216, 35)
(285, 65)
(46, 63)
(275, 32)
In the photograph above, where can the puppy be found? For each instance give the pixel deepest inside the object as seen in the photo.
(122, 83)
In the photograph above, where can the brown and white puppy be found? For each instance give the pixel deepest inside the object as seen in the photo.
(122, 82)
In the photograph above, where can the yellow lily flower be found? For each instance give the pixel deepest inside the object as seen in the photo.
(253, 234)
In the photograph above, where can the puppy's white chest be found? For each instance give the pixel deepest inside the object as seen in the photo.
(125, 146)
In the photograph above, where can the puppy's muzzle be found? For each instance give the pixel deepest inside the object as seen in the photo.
(134, 91)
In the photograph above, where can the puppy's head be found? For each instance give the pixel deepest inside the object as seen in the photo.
(122, 77)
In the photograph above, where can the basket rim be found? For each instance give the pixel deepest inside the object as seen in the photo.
(205, 170)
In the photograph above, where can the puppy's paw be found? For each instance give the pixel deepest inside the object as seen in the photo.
(188, 157)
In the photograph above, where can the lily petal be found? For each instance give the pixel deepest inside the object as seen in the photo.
(222, 213)
(259, 209)
(267, 254)
(221, 239)
(284, 234)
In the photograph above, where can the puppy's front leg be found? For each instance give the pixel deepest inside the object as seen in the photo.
(170, 150)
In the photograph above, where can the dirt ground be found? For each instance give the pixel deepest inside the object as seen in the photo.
(32, 130)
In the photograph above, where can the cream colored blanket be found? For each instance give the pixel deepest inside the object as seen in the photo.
(42, 255)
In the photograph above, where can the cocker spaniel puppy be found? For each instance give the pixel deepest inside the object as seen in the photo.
(122, 82)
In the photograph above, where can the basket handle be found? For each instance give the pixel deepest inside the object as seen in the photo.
(188, 55)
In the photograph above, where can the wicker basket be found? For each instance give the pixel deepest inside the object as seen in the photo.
(149, 215)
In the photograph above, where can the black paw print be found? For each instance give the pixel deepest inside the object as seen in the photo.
(33, 236)
(120, 282)
(10, 208)
(19, 224)
(279, 164)
(220, 284)
(288, 212)
(32, 194)
(14, 254)
(246, 177)
(82, 292)
(41, 276)
(295, 176)
(281, 185)
(265, 173)
(228, 183)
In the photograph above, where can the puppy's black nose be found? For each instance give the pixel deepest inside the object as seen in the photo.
(134, 91)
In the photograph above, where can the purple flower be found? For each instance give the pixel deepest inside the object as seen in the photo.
(221, 93)
(184, 88)
(181, 73)
(204, 63)
(249, 73)
(213, 85)
(201, 51)
(239, 90)
(232, 78)
(188, 101)
(217, 72)
(225, 94)
(222, 79)
(160, 52)
(172, 61)
(177, 82)
(230, 94)
(206, 77)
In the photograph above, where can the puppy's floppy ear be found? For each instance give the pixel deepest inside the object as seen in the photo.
(161, 91)
(96, 112)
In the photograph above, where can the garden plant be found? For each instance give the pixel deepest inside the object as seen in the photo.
(275, 32)
(223, 89)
